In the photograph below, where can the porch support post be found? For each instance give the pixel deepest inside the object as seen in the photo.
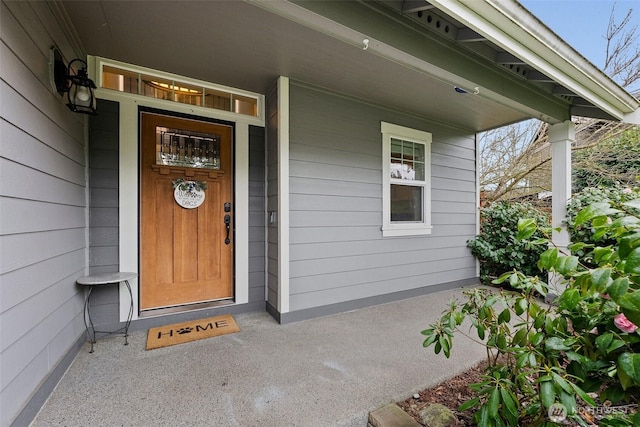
(561, 137)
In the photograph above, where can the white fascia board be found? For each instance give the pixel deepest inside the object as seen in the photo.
(633, 118)
(512, 27)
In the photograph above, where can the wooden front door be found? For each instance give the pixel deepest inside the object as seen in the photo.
(186, 253)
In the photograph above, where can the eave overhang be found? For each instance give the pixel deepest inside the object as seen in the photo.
(509, 25)
(392, 36)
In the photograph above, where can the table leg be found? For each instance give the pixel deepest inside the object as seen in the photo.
(87, 315)
(126, 326)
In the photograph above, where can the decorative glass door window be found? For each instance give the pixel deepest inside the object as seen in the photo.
(175, 147)
(406, 181)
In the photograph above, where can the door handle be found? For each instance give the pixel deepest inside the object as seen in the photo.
(227, 224)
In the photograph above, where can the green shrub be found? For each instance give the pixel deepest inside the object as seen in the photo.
(586, 344)
(587, 233)
(497, 247)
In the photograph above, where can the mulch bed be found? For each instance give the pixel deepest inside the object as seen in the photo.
(451, 393)
(455, 391)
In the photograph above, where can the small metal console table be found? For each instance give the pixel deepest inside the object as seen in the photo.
(103, 280)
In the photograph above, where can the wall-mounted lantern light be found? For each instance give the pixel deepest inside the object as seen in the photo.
(77, 85)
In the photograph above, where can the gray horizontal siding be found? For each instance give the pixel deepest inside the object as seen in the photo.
(337, 250)
(389, 279)
(257, 188)
(271, 159)
(366, 234)
(104, 231)
(42, 206)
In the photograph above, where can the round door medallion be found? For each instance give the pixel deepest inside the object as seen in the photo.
(189, 194)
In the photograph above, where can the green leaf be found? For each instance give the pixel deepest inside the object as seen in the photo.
(565, 264)
(548, 258)
(469, 404)
(555, 344)
(635, 203)
(632, 265)
(547, 394)
(578, 246)
(618, 288)
(537, 338)
(600, 278)
(629, 369)
(501, 342)
(509, 403)
(604, 341)
(615, 344)
(539, 320)
(521, 306)
(625, 221)
(630, 303)
(584, 396)
(533, 362)
(526, 228)
(600, 221)
(602, 254)
(502, 278)
(430, 340)
(614, 393)
(481, 332)
(446, 346)
(600, 233)
(577, 357)
(494, 402)
(569, 402)
(561, 382)
(483, 417)
(628, 243)
(594, 210)
(520, 337)
(570, 298)
(504, 316)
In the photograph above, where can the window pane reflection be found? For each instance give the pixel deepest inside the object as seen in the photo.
(407, 160)
(406, 203)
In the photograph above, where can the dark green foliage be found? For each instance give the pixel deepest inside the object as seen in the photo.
(497, 246)
(613, 162)
(542, 356)
(588, 234)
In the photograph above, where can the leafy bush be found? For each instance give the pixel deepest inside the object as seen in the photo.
(586, 233)
(614, 161)
(497, 247)
(585, 346)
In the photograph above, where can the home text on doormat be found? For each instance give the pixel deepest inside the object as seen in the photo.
(179, 333)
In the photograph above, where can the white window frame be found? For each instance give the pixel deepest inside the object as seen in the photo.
(389, 228)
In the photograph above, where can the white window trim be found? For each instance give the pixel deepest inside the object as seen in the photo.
(390, 229)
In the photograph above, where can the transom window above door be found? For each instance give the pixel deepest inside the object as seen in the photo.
(406, 181)
(132, 79)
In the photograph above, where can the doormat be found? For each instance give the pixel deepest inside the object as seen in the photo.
(164, 336)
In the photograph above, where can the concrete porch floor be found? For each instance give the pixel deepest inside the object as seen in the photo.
(330, 371)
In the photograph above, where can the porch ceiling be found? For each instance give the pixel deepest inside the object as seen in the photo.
(242, 45)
